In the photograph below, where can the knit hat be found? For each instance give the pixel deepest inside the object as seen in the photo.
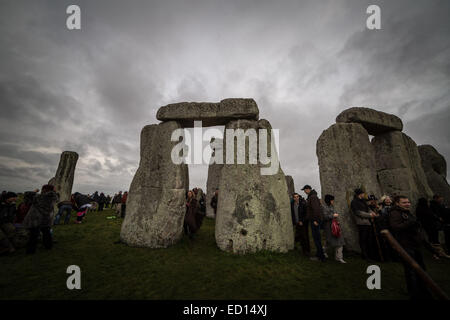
(9, 195)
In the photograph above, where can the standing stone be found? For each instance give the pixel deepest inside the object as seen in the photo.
(375, 122)
(214, 171)
(399, 167)
(156, 199)
(253, 209)
(63, 180)
(290, 186)
(346, 162)
(435, 168)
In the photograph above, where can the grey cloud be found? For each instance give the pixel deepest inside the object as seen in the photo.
(91, 91)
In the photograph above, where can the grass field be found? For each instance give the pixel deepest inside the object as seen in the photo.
(192, 269)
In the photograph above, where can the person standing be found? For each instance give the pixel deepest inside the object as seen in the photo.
(118, 203)
(385, 205)
(24, 207)
(40, 218)
(314, 216)
(201, 210)
(190, 221)
(436, 223)
(101, 201)
(214, 201)
(362, 215)
(108, 201)
(405, 229)
(123, 207)
(8, 213)
(301, 231)
(334, 241)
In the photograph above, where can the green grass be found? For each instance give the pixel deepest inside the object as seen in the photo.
(192, 269)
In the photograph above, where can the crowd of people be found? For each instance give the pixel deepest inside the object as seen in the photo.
(22, 225)
(372, 215)
(34, 218)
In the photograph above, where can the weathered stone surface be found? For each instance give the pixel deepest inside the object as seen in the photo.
(214, 171)
(435, 168)
(375, 122)
(63, 179)
(211, 114)
(156, 199)
(253, 211)
(290, 186)
(399, 166)
(346, 162)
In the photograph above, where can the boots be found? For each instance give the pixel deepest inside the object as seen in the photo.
(440, 251)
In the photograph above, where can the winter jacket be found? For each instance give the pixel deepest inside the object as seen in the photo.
(7, 212)
(405, 228)
(360, 211)
(332, 241)
(213, 202)
(81, 199)
(102, 199)
(313, 208)
(124, 198)
(191, 215)
(22, 212)
(426, 217)
(301, 211)
(42, 210)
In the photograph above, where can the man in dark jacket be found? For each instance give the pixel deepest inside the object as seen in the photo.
(363, 214)
(405, 229)
(101, 202)
(7, 215)
(439, 210)
(95, 197)
(214, 201)
(298, 214)
(314, 215)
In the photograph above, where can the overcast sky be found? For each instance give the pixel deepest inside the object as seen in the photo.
(92, 90)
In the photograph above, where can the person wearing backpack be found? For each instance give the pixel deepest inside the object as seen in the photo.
(331, 223)
(314, 215)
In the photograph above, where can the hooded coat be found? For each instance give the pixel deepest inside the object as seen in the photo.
(42, 211)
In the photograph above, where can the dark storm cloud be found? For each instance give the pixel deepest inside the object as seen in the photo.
(92, 91)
